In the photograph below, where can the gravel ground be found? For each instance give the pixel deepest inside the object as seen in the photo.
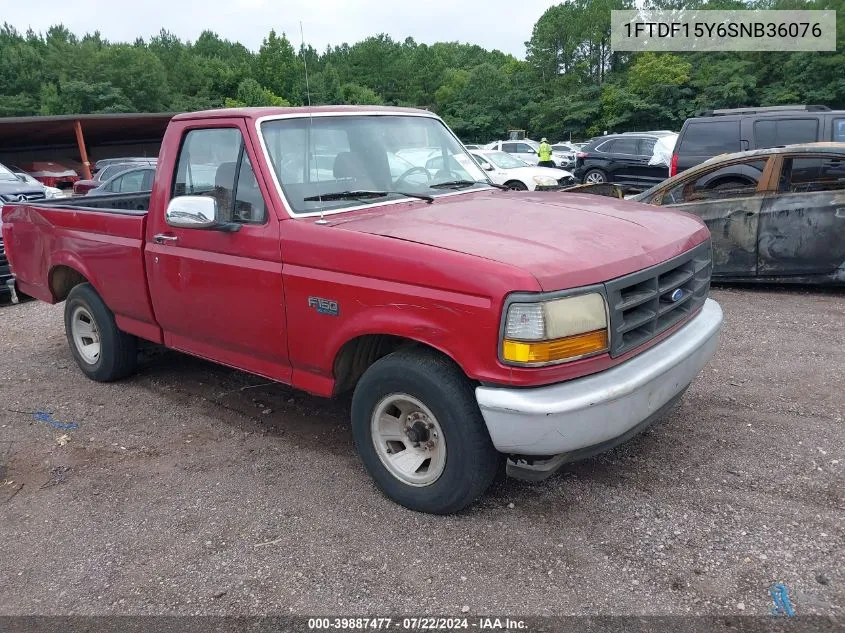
(193, 488)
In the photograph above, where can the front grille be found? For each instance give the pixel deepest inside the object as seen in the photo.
(23, 197)
(641, 306)
(566, 181)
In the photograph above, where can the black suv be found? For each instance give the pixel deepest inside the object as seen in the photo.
(725, 131)
(621, 159)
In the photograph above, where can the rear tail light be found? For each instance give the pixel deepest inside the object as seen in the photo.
(581, 155)
(673, 168)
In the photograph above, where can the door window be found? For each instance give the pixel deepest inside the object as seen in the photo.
(626, 146)
(524, 148)
(131, 182)
(213, 162)
(839, 130)
(510, 148)
(736, 181)
(647, 146)
(814, 173)
(773, 133)
(710, 138)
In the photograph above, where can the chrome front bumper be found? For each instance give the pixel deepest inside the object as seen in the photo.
(597, 409)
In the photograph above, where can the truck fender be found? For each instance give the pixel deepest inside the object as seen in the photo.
(405, 321)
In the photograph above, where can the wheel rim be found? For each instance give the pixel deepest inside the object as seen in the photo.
(408, 440)
(86, 335)
(594, 177)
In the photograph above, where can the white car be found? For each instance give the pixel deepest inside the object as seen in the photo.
(508, 170)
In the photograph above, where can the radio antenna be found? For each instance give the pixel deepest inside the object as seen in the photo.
(322, 220)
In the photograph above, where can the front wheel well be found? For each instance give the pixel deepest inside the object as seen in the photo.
(62, 280)
(357, 354)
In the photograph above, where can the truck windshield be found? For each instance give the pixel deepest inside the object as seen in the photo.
(325, 155)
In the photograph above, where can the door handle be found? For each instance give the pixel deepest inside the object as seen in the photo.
(163, 238)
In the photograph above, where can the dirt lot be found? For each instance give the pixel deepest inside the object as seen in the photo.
(193, 488)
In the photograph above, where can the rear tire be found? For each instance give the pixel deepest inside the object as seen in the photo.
(103, 352)
(594, 177)
(408, 409)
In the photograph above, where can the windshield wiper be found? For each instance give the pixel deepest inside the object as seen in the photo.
(365, 193)
(457, 184)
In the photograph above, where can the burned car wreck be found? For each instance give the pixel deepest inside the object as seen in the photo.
(775, 215)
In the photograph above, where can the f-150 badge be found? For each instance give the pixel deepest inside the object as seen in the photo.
(324, 306)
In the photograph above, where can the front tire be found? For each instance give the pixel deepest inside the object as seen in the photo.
(516, 185)
(103, 352)
(420, 434)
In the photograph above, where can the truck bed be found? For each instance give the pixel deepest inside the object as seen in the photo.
(102, 237)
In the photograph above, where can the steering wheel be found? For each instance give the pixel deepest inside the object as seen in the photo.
(413, 170)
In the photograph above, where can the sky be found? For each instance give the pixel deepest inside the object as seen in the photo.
(502, 24)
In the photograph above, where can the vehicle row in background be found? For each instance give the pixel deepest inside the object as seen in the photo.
(527, 150)
(775, 215)
(107, 169)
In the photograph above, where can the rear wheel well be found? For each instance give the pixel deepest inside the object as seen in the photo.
(63, 279)
(356, 356)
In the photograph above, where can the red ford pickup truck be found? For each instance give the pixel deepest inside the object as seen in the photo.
(314, 247)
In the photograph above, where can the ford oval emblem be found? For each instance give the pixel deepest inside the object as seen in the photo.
(677, 295)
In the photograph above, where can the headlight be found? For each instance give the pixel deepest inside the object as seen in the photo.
(555, 331)
(545, 181)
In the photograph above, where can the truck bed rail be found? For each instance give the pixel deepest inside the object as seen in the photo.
(132, 203)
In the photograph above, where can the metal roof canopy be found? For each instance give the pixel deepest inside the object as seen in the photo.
(81, 130)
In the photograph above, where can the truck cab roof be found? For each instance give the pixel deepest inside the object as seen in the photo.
(256, 113)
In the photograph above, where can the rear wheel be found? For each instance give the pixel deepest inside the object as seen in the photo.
(420, 434)
(516, 185)
(594, 177)
(102, 351)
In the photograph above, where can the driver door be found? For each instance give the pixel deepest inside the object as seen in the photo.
(218, 294)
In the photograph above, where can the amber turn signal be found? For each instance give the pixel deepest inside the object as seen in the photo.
(556, 350)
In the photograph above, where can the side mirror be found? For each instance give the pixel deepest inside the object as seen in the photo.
(487, 167)
(192, 212)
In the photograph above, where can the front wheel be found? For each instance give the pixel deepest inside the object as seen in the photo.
(103, 352)
(516, 185)
(420, 434)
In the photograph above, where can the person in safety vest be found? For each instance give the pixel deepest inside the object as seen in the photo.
(545, 153)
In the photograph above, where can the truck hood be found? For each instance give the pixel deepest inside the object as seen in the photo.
(562, 239)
